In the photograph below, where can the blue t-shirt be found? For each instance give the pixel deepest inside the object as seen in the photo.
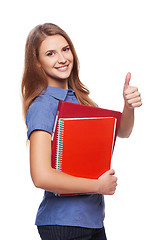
(83, 210)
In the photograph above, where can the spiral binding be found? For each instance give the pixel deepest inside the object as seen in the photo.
(59, 145)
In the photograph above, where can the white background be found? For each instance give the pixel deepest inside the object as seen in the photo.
(111, 38)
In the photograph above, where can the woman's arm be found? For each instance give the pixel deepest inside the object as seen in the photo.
(132, 100)
(47, 178)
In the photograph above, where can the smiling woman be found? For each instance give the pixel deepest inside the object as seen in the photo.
(51, 74)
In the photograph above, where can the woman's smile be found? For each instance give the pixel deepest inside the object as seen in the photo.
(62, 68)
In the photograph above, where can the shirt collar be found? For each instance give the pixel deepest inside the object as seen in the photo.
(59, 93)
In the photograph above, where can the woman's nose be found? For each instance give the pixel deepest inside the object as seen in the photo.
(62, 59)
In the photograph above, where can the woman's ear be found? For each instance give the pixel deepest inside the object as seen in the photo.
(38, 63)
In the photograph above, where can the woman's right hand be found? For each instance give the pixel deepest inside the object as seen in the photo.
(107, 183)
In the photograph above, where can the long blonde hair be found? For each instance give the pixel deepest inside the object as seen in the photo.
(34, 79)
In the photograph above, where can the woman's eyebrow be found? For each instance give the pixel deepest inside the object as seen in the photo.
(66, 46)
(52, 50)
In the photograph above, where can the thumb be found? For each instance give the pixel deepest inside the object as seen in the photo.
(111, 171)
(127, 79)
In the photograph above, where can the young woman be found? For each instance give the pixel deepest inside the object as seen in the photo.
(51, 74)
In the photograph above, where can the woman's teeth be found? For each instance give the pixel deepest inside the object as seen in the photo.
(62, 68)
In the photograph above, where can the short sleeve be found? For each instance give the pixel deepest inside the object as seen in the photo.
(40, 116)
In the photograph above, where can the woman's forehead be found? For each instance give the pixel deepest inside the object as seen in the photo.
(53, 42)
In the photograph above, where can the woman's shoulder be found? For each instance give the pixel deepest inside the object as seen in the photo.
(42, 103)
(41, 114)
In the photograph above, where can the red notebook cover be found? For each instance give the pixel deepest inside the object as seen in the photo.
(85, 146)
(75, 110)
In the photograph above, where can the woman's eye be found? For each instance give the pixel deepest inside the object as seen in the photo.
(50, 54)
(66, 49)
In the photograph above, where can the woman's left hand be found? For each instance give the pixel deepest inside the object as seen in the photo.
(131, 94)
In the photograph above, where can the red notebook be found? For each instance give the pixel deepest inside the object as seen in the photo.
(75, 110)
(85, 146)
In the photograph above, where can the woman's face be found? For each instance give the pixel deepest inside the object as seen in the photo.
(56, 59)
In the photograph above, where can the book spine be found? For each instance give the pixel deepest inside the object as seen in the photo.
(114, 134)
(56, 119)
(59, 145)
(55, 124)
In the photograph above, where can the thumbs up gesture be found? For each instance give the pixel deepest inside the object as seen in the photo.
(131, 94)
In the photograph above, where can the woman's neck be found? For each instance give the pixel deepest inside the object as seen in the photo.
(59, 84)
